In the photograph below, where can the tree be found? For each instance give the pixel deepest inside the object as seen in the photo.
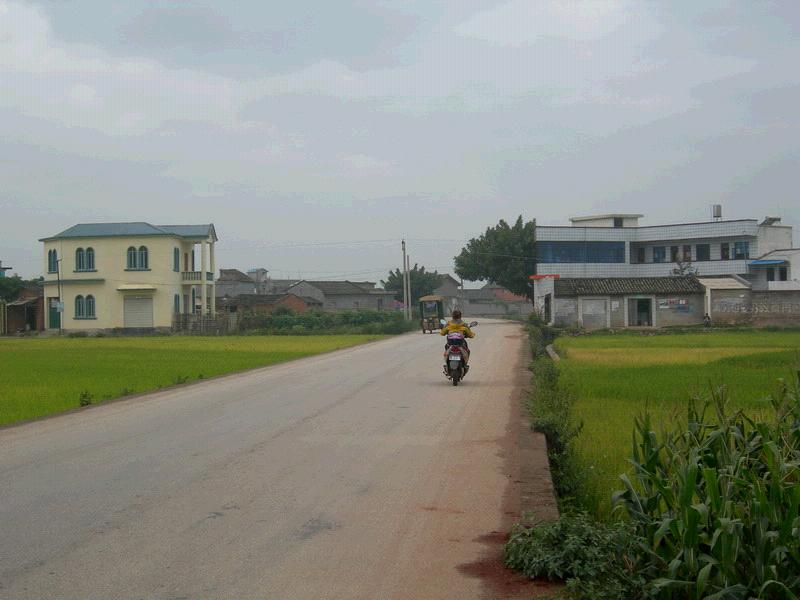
(684, 268)
(11, 286)
(505, 254)
(422, 283)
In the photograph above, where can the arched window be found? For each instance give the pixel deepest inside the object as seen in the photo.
(90, 313)
(132, 256)
(177, 304)
(80, 307)
(143, 262)
(90, 259)
(52, 261)
(80, 260)
(176, 260)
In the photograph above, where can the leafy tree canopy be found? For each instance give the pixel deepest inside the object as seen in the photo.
(422, 283)
(505, 255)
(10, 286)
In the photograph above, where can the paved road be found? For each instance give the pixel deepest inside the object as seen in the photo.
(357, 474)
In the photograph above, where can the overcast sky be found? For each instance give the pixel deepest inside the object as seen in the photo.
(312, 122)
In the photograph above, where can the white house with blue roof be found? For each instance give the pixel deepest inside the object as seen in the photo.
(135, 276)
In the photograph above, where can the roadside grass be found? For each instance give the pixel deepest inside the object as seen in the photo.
(616, 377)
(44, 376)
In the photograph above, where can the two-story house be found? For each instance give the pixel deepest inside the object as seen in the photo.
(106, 276)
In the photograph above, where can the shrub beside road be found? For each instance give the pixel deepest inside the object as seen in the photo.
(43, 376)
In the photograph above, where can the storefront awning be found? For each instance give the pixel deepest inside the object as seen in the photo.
(769, 261)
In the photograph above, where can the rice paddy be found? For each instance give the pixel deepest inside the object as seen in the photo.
(43, 376)
(616, 377)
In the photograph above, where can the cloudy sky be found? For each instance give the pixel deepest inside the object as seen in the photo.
(300, 128)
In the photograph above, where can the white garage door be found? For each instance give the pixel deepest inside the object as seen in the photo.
(138, 311)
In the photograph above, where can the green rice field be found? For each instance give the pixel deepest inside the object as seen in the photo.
(42, 376)
(616, 377)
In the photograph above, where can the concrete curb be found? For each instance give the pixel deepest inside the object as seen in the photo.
(538, 502)
(551, 352)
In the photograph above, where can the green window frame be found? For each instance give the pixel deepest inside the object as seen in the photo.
(176, 260)
(52, 261)
(90, 259)
(144, 261)
(90, 307)
(176, 304)
(80, 260)
(80, 307)
(132, 258)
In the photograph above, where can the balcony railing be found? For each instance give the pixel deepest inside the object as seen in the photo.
(196, 276)
(783, 286)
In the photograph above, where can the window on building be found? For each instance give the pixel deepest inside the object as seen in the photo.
(580, 252)
(660, 254)
(132, 258)
(640, 255)
(143, 258)
(618, 222)
(703, 252)
(783, 273)
(194, 301)
(176, 260)
(176, 304)
(770, 273)
(687, 252)
(725, 251)
(80, 307)
(80, 260)
(741, 250)
(52, 261)
(673, 253)
(90, 259)
(90, 313)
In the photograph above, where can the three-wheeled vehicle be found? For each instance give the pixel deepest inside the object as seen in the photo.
(431, 312)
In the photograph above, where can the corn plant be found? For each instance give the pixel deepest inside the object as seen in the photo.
(716, 506)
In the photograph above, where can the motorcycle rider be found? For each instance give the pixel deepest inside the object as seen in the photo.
(456, 325)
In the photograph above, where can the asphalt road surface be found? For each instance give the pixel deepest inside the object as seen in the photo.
(357, 474)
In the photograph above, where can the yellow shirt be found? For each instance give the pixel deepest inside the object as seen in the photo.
(457, 327)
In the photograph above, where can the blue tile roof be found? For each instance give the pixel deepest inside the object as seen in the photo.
(90, 230)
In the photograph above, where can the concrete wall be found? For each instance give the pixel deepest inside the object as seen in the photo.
(358, 302)
(773, 237)
(679, 310)
(776, 308)
(730, 307)
(497, 308)
(234, 288)
(565, 312)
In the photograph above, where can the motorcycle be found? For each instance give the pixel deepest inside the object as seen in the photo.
(456, 355)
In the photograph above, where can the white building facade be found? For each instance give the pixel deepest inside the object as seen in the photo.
(135, 276)
(616, 246)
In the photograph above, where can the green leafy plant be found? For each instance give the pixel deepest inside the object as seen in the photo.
(717, 504)
(85, 398)
(595, 559)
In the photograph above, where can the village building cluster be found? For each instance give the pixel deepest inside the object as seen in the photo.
(603, 271)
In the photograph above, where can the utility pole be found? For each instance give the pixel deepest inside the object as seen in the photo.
(408, 278)
(405, 283)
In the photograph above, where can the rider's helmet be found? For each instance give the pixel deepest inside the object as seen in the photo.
(456, 315)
